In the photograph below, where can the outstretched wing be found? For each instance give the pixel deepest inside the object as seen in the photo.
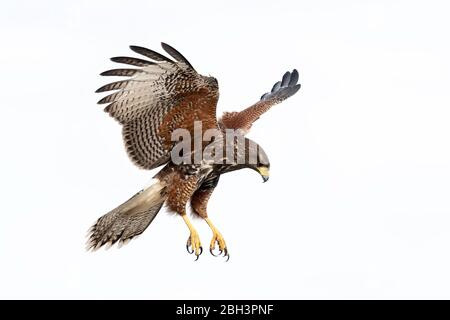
(159, 96)
(281, 90)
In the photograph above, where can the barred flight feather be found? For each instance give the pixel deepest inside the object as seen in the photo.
(148, 103)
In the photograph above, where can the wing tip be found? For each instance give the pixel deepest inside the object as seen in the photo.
(286, 79)
(134, 47)
(294, 78)
(150, 54)
(288, 85)
(174, 53)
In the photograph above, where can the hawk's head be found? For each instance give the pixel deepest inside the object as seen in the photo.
(246, 154)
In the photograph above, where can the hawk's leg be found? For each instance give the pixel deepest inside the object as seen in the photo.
(199, 202)
(178, 194)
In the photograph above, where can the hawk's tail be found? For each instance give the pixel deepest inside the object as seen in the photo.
(127, 220)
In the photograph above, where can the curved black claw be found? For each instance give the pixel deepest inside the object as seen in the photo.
(188, 244)
(215, 255)
(198, 255)
(226, 254)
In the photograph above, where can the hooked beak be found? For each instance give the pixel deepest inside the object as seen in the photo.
(264, 172)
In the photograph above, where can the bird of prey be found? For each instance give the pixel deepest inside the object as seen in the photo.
(159, 98)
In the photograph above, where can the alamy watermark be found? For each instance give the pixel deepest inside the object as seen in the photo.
(225, 147)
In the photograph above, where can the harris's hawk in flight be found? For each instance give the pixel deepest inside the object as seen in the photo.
(163, 96)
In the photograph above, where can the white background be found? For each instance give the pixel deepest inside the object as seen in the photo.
(358, 201)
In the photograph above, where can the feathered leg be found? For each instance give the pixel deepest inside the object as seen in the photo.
(199, 203)
(179, 193)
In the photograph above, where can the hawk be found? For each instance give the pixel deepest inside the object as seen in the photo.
(160, 97)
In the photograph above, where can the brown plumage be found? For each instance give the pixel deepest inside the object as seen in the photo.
(244, 119)
(160, 96)
(199, 201)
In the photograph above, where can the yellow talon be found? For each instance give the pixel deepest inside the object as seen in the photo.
(193, 241)
(217, 238)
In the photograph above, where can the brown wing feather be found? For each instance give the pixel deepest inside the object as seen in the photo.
(160, 97)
